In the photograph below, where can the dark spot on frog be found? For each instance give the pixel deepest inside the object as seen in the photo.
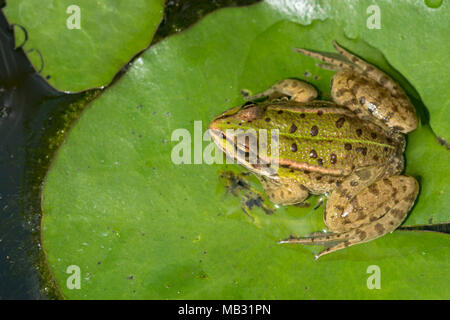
(131, 277)
(340, 92)
(302, 115)
(340, 122)
(320, 112)
(294, 147)
(313, 154)
(333, 158)
(362, 235)
(348, 146)
(318, 178)
(359, 132)
(267, 119)
(353, 183)
(376, 158)
(362, 150)
(280, 111)
(314, 131)
(410, 197)
(293, 128)
(373, 135)
(379, 227)
(373, 189)
(320, 162)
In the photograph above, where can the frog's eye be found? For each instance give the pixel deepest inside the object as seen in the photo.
(251, 113)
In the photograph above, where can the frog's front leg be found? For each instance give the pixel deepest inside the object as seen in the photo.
(284, 191)
(294, 89)
(368, 91)
(361, 209)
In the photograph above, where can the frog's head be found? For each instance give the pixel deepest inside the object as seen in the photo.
(233, 119)
(235, 135)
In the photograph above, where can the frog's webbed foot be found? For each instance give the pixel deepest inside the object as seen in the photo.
(331, 63)
(354, 63)
(367, 91)
(291, 88)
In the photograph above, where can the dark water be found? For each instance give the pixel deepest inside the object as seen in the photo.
(31, 114)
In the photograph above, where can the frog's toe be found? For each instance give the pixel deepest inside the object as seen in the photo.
(320, 238)
(330, 62)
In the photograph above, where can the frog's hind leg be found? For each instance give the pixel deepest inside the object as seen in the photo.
(368, 91)
(353, 62)
(378, 209)
(370, 71)
(296, 90)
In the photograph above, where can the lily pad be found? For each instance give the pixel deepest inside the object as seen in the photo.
(68, 40)
(140, 226)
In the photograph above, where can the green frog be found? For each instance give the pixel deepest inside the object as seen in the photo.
(350, 149)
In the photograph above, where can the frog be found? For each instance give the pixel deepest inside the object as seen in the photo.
(349, 149)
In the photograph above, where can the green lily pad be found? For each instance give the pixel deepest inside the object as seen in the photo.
(75, 59)
(140, 226)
